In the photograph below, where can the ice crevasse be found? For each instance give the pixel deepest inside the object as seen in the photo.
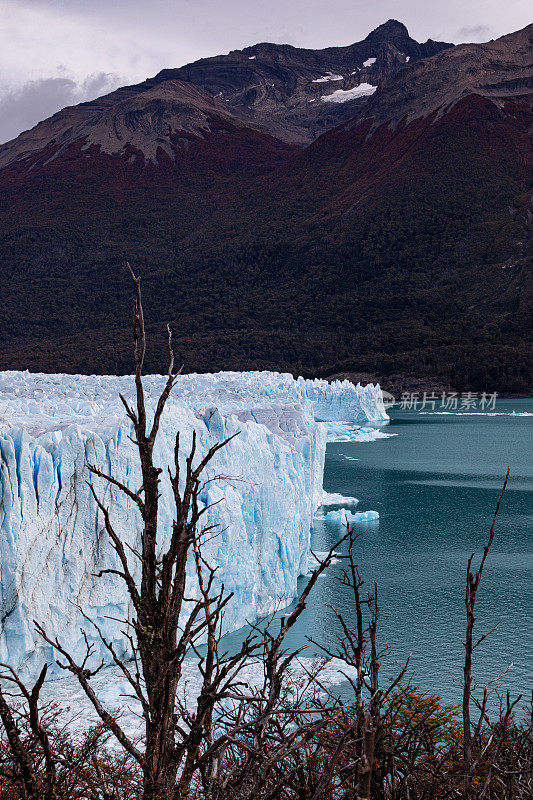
(52, 538)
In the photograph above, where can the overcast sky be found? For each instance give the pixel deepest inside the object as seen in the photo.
(55, 53)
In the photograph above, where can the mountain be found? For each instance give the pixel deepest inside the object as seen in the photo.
(396, 241)
(269, 87)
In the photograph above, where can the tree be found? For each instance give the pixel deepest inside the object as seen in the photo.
(180, 746)
(472, 733)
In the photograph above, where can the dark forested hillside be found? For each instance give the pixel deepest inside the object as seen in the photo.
(403, 246)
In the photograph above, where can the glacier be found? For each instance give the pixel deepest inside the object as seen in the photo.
(52, 540)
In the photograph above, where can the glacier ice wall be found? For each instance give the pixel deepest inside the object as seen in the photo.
(52, 540)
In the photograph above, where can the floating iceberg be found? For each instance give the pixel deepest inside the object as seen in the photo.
(341, 516)
(347, 432)
(52, 538)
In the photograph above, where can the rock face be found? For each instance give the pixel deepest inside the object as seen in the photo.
(280, 87)
(147, 122)
(52, 539)
(501, 70)
(273, 88)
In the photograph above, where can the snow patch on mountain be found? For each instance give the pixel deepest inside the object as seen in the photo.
(343, 95)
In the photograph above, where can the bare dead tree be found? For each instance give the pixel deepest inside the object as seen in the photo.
(179, 743)
(471, 733)
(41, 761)
(364, 782)
(359, 723)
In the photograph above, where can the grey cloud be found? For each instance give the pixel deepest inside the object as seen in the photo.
(99, 83)
(473, 33)
(39, 99)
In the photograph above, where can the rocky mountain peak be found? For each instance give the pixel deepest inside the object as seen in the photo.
(380, 241)
(390, 31)
(501, 69)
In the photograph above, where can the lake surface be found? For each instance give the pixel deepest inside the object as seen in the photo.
(435, 485)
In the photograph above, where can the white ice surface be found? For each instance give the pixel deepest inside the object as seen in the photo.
(346, 432)
(336, 499)
(52, 539)
(369, 62)
(343, 95)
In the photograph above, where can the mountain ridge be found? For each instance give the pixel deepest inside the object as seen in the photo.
(272, 94)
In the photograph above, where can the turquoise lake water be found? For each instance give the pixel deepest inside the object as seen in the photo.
(435, 485)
